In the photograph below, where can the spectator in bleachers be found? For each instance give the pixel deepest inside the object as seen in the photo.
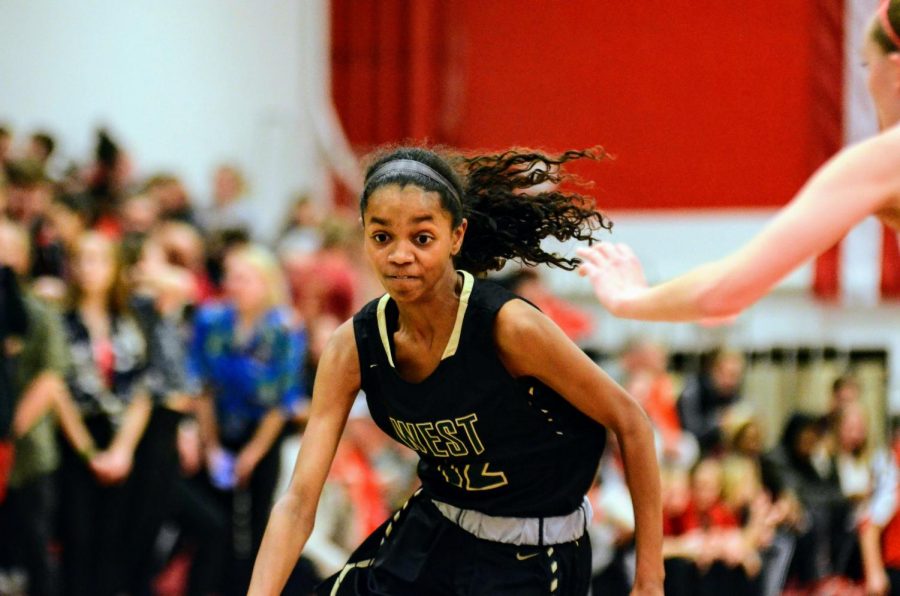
(6, 139)
(708, 551)
(139, 214)
(40, 147)
(826, 511)
(879, 530)
(29, 193)
(184, 247)
(40, 399)
(644, 368)
(708, 395)
(230, 208)
(169, 193)
(107, 180)
(107, 379)
(302, 232)
(162, 291)
(247, 358)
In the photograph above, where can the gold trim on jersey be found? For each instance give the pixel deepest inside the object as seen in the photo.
(452, 343)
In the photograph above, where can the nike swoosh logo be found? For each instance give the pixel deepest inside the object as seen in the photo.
(526, 557)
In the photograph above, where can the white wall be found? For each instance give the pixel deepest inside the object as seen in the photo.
(183, 84)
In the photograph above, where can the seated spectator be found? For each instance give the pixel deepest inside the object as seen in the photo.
(708, 395)
(879, 530)
(184, 248)
(169, 193)
(706, 543)
(139, 214)
(826, 510)
(230, 208)
(302, 233)
(643, 363)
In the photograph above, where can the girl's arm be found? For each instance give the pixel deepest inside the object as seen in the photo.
(530, 345)
(263, 438)
(858, 182)
(114, 464)
(336, 386)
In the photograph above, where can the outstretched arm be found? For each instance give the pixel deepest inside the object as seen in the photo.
(858, 182)
(291, 521)
(531, 345)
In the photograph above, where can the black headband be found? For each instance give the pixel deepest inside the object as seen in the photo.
(408, 166)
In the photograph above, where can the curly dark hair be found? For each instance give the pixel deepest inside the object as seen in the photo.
(507, 216)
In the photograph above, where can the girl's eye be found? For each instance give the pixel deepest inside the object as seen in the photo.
(423, 239)
(380, 237)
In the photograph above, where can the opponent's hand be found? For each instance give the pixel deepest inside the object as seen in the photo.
(615, 273)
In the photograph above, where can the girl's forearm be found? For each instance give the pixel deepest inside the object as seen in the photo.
(642, 475)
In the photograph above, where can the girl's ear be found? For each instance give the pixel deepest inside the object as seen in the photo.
(458, 234)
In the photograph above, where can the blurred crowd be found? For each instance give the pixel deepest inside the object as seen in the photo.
(157, 362)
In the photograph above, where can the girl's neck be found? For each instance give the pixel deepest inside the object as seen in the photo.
(424, 317)
(247, 319)
(93, 304)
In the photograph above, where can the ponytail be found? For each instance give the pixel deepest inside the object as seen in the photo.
(508, 219)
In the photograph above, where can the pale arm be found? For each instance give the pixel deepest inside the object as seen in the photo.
(114, 464)
(858, 182)
(530, 345)
(337, 384)
(46, 393)
(266, 434)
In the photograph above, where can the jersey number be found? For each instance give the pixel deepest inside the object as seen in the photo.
(471, 478)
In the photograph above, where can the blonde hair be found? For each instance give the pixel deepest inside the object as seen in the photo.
(264, 262)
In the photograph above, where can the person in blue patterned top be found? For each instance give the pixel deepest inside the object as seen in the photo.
(246, 362)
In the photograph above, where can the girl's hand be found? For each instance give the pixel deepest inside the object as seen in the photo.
(615, 273)
(244, 465)
(112, 466)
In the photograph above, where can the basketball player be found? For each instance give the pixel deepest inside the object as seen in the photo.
(506, 414)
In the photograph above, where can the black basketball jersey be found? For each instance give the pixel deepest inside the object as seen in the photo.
(486, 441)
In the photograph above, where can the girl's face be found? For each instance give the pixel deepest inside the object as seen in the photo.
(95, 266)
(245, 285)
(883, 82)
(409, 240)
(852, 431)
(707, 484)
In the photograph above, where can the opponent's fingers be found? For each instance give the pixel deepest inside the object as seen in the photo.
(625, 252)
(590, 256)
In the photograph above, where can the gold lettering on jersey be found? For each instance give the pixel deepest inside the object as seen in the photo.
(467, 423)
(447, 430)
(484, 479)
(402, 433)
(432, 439)
(452, 475)
(479, 477)
(442, 438)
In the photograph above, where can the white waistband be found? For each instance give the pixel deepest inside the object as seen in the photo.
(534, 531)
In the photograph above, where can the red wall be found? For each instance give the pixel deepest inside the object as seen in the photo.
(703, 103)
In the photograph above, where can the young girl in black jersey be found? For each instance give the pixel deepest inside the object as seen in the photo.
(506, 413)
